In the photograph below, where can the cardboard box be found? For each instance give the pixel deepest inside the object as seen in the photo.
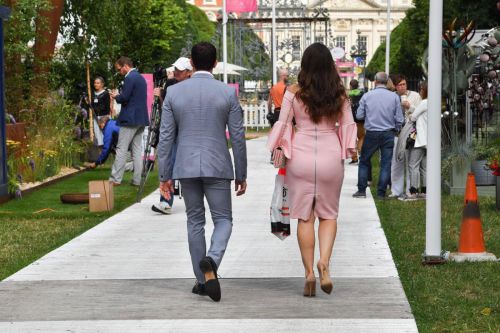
(101, 198)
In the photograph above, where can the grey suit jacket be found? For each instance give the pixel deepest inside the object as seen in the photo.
(195, 115)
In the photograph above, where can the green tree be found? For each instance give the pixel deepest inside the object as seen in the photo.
(104, 30)
(246, 49)
(410, 38)
(19, 34)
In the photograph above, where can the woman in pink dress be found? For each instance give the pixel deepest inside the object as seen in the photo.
(324, 136)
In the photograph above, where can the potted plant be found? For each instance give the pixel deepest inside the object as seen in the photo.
(493, 165)
(481, 155)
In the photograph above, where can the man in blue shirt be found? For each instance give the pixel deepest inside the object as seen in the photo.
(110, 132)
(381, 110)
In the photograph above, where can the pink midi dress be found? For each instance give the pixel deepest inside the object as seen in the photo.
(315, 157)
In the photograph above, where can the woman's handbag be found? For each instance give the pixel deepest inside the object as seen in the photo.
(410, 140)
(279, 158)
(279, 212)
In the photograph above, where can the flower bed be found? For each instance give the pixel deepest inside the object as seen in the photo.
(44, 145)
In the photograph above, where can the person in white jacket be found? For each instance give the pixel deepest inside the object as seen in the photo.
(409, 102)
(417, 155)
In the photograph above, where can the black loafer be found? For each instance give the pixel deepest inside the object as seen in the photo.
(212, 286)
(199, 289)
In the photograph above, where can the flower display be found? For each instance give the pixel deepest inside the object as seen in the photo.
(493, 164)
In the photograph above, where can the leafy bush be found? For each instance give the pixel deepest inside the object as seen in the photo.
(51, 143)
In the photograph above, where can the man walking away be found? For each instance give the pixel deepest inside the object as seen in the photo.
(132, 120)
(381, 111)
(276, 96)
(195, 115)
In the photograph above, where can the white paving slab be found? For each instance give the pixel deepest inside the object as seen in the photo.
(216, 325)
(140, 244)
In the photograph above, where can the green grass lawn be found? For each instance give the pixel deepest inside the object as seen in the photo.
(26, 235)
(451, 297)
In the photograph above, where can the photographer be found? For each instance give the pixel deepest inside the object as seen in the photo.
(182, 71)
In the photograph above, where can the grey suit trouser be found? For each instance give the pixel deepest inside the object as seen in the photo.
(130, 136)
(218, 194)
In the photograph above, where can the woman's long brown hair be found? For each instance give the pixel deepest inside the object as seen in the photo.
(320, 87)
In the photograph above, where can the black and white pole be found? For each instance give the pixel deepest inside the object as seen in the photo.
(4, 15)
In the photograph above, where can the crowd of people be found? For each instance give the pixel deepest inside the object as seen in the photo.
(393, 120)
(317, 124)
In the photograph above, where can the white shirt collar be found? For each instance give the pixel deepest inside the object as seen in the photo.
(202, 72)
(132, 69)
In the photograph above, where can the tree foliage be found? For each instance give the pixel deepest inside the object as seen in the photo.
(19, 37)
(410, 38)
(246, 49)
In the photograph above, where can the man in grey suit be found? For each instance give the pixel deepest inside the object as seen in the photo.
(196, 113)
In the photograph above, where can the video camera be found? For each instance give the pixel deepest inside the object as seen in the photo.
(159, 75)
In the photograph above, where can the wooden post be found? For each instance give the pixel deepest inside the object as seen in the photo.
(91, 111)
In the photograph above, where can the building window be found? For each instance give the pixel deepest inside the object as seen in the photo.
(209, 2)
(319, 39)
(363, 43)
(340, 42)
(296, 47)
(383, 39)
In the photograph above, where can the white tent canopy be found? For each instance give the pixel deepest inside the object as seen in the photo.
(219, 69)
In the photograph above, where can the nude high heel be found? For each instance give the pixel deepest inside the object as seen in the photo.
(310, 288)
(324, 278)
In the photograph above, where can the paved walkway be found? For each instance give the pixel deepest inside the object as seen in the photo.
(133, 273)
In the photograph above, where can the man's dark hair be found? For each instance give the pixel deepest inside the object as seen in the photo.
(204, 56)
(354, 84)
(122, 61)
(398, 78)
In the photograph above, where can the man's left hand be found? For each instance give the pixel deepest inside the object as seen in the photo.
(406, 104)
(113, 93)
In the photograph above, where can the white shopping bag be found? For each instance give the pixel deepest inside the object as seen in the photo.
(279, 212)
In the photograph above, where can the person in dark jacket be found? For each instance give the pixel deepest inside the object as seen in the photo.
(100, 102)
(111, 132)
(132, 119)
(355, 95)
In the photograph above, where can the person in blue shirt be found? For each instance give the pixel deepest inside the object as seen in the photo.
(381, 111)
(110, 130)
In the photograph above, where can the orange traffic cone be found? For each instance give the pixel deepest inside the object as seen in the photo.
(470, 189)
(471, 244)
(471, 231)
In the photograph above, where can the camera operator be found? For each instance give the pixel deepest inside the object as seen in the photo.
(182, 71)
